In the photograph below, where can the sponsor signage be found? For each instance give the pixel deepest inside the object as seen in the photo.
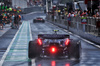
(84, 20)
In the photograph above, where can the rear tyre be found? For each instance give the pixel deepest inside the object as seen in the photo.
(34, 21)
(43, 21)
(32, 50)
(74, 49)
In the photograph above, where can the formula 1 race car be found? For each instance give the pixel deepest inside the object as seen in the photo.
(54, 45)
(38, 19)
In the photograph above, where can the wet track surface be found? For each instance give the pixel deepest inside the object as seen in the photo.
(18, 53)
(5, 40)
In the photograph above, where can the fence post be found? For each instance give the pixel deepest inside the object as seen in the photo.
(98, 25)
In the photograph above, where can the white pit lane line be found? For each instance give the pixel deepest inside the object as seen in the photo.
(80, 37)
(5, 54)
(85, 40)
(8, 49)
(32, 60)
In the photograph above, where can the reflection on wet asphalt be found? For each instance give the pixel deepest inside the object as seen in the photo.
(55, 62)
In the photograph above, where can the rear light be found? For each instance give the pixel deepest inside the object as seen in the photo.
(39, 19)
(39, 41)
(67, 42)
(53, 49)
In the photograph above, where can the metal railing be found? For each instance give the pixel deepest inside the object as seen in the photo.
(76, 23)
(89, 27)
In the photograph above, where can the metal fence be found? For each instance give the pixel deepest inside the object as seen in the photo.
(91, 25)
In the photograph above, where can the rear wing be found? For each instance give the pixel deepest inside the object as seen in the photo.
(53, 36)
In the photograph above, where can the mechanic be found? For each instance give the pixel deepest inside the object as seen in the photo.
(1, 23)
(16, 21)
(12, 18)
(19, 18)
(8, 18)
(4, 20)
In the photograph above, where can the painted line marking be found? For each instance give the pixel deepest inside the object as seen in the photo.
(18, 54)
(30, 32)
(19, 50)
(32, 60)
(5, 54)
(18, 44)
(86, 40)
(79, 37)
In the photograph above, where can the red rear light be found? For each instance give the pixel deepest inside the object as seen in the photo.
(40, 19)
(53, 49)
(39, 41)
(67, 42)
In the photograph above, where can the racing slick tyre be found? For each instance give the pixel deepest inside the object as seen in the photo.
(43, 21)
(33, 50)
(74, 49)
(34, 21)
